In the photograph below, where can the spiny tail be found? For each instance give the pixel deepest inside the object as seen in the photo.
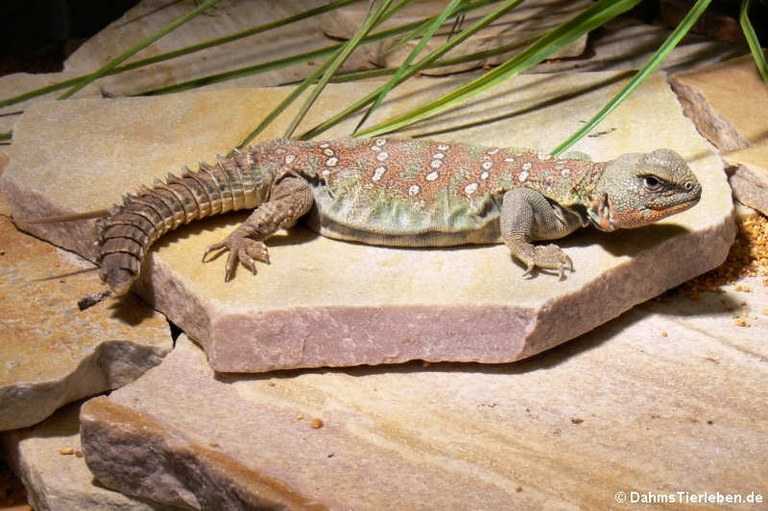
(131, 229)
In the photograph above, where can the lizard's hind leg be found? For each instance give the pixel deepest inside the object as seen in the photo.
(290, 199)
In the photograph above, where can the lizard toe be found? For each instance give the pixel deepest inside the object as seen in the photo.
(551, 257)
(241, 250)
(252, 253)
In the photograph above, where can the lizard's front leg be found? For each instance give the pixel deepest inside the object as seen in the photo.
(290, 199)
(527, 215)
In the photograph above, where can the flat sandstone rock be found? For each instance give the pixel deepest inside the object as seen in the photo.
(748, 176)
(563, 431)
(713, 97)
(329, 303)
(53, 354)
(50, 462)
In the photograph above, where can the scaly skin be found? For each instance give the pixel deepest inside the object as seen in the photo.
(400, 192)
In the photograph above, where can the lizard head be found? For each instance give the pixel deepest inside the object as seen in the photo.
(638, 189)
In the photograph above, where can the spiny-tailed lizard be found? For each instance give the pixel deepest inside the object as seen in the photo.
(398, 192)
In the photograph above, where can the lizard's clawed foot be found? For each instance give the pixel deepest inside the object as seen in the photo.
(548, 257)
(245, 251)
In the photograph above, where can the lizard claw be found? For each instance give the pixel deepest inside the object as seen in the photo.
(548, 257)
(245, 251)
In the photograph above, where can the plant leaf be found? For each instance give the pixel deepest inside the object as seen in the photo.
(752, 40)
(594, 16)
(372, 20)
(428, 60)
(309, 80)
(111, 65)
(431, 29)
(656, 59)
(181, 52)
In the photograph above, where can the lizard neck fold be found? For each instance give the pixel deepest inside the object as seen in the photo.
(598, 205)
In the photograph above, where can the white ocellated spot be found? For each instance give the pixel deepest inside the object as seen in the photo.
(493, 151)
(510, 160)
(382, 156)
(328, 151)
(289, 158)
(324, 145)
(527, 166)
(485, 175)
(443, 147)
(332, 161)
(435, 164)
(381, 142)
(523, 177)
(432, 176)
(470, 188)
(379, 173)
(438, 156)
(487, 165)
(565, 172)
(414, 190)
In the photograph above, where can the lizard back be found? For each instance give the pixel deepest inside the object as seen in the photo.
(409, 192)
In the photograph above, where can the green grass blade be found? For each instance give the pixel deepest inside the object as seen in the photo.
(594, 16)
(295, 59)
(181, 52)
(244, 71)
(460, 59)
(275, 64)
(372, 20)
(427, 61)
(295, 93)
(40, 92)
(265, 27)
(656, 59)
(146, 42)
(752, 41)
(285, 103)
(431, 29)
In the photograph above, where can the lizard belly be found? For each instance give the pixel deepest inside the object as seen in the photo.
(376, 219)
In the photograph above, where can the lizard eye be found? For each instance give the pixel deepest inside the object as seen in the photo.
(652, 183)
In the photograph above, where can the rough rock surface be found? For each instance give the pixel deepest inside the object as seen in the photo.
(713, 97)
(629, 407)
(749, 176)
(328, 303)
(51, 353)
(50, 461)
